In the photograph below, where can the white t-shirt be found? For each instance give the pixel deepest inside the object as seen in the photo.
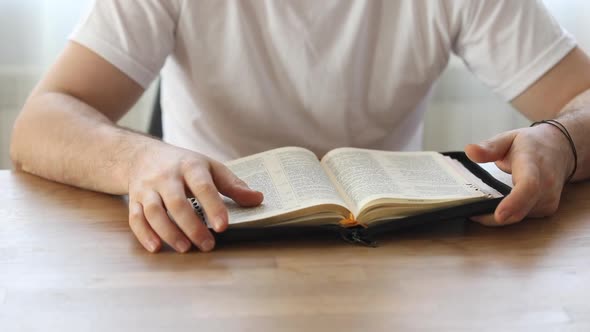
(243, 76)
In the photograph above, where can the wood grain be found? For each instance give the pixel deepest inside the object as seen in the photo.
(69, 263)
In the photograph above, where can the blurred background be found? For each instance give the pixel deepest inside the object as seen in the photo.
(461, 111)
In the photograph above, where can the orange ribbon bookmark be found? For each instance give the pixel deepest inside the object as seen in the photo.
(350, 221)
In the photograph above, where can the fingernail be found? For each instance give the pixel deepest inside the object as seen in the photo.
(152, 245)
(511, 220)
(207, 245)
(484, 145)
(503, 216)
(218, 223)
(183, 245)
(244, 185)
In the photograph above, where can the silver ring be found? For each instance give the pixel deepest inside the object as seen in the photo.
(198, 209)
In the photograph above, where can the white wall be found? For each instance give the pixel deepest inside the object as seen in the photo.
(32, 32)
(464, 111)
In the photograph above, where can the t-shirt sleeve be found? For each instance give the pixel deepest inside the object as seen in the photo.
(134, 36)
(509, 44)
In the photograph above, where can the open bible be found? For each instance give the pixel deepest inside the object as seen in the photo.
(355, 188)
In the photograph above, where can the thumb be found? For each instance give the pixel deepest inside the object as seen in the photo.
(486, 219)
(490, 150)
(233, 187)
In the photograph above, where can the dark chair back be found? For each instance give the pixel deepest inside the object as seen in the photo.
(155, 128)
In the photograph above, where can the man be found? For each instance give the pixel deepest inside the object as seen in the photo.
(244, 76)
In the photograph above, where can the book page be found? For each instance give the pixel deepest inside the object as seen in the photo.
(497, 173)
(473, 179)
(365, 175)
(290, 179)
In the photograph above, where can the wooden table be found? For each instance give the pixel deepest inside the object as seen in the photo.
(69, 263)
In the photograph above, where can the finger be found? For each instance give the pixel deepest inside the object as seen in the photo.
(525, 194)
(233, 187)
(185, 217)
(142, 230)
(494, 149)
(201, 184)
(490, 220)
(485, 219)
(160, 222)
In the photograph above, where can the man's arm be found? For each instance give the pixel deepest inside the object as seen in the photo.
(540, 158)
(66, 132)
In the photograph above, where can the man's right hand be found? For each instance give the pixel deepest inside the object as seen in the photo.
(160, 180)
(66, 132)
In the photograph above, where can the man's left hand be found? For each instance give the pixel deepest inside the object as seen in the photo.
(539, 159)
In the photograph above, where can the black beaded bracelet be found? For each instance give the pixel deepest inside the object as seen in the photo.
(567, 135)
